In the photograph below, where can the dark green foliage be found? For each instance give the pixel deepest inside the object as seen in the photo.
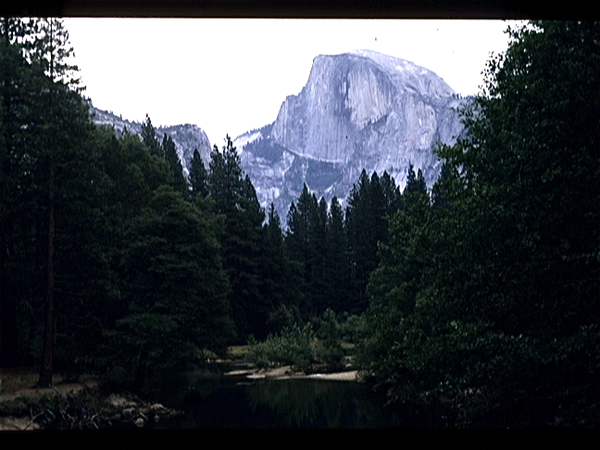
(314, 242)
(158, 240)
(14, 117)
(415, 187)
(225, 179)
(336, 259)
(303, 346)
(198, 177)
(392, 197)
(174, 286)
(48, 188)
(294, 346)
(369, 206)
(298, 247)
(317, 281)
(149, 138)
(243, 241)
(488, 298)
(334, 256)
(169, 152)
(96, 244)
(51, 50)
(278, 278)
(329, 332)
(274, 233)
(299, 227)
(483, 297)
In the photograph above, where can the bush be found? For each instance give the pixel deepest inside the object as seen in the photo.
(351, 328)
(329, 347)
(294, 346)
(304, 346)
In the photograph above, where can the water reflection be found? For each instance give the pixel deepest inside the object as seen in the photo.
(311, 403)
(222, 402)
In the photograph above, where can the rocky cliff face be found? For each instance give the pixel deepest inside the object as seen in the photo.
(358, 110)
(186, 137)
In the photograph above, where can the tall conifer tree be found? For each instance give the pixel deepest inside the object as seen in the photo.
(318, 257)
(149, 137)
(234, 197)
(59, 142)
(197, 177)
(169, 151)
(336, 266)
(495, 286)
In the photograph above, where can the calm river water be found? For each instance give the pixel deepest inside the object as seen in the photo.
(225, 402)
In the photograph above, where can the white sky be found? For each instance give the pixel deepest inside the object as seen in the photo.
(229, 76)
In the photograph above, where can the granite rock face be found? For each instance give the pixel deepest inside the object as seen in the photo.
(358, 110)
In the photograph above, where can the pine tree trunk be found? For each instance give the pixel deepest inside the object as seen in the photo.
(9, 352)
(9, 345)
(9, 349)
(140, 373)
(45, 379)
(46, 369)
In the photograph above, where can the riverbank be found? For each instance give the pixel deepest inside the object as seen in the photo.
(77, 405)
(286, 372)
(83, 404)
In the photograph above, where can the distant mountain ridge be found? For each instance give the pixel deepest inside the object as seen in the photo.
(186, 137)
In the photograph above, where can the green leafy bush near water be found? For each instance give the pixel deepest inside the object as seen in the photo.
(307, 346)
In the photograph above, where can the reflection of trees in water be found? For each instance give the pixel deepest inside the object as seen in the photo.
(228, 404)
(316, 404)
(179, 389)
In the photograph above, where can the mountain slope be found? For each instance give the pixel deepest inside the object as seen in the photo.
(186, 137)
(358, 110)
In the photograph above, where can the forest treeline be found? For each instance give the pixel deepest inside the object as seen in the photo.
(479, 295)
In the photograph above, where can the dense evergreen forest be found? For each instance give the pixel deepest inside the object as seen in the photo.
(487, 293)
(481, 294)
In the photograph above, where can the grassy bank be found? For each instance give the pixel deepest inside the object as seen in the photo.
(70, 405)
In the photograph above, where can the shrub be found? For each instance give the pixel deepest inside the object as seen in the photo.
(303, 346)
(294, 346)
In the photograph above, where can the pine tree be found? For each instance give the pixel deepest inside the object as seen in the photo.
(234, 197)
(441, 191)
(298, 243)
(379, 208)
(496, 284)
(225, 179)
(370, 204)
(391, 194)
(362, 243)
(294, 243)
(175, 286)
(169, 151)
(198, 177)
(336, 265)
(64, 111)
(317, 256)
(51, 51)
(16, 79)
(278, 277)
(149, 138)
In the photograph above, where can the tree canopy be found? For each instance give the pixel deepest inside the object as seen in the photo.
(488, 297)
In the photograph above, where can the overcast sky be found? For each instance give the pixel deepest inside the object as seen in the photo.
(229, 76)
